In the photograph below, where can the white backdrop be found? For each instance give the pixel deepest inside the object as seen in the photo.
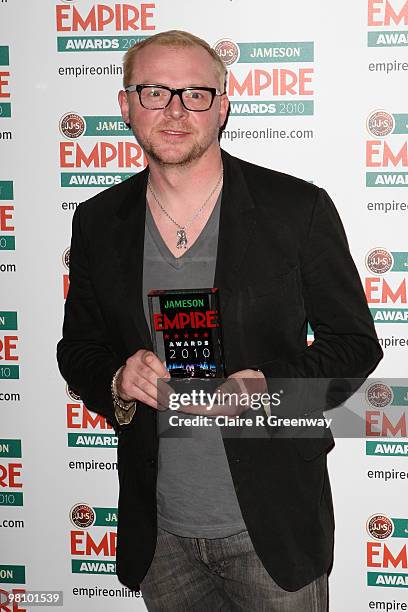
(305, 81)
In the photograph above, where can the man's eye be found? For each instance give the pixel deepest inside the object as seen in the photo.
(155, 93)
(194, 95)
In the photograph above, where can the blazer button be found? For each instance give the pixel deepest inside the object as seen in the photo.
(236, 460)
(151, 462)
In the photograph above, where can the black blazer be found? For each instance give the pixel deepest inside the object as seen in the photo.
(282, 260)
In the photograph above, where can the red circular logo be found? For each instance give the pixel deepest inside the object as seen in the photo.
(71, 393)
(379, 395)
(82, 516)
(379, 261)
(227, 50)
(65, 258)
(380, 123)
(72, 125)
(380, 526)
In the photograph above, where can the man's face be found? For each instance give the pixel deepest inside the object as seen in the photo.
(174, 135)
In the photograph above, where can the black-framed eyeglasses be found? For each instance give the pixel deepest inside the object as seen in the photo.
(157, 97)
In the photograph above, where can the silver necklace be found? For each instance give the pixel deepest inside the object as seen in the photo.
(181, 233)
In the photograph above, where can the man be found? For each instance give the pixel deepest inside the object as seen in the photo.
(232, 524)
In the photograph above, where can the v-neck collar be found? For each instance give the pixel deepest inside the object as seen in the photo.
(194, 250)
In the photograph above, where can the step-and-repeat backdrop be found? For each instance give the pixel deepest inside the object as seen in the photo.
(318, 90)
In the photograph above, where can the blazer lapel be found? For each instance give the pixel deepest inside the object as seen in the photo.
(235, 231)
(236, 226)
(129, 242)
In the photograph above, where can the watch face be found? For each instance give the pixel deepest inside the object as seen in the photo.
(187, 332)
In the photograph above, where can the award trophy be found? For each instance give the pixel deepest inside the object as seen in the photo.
(186, 332)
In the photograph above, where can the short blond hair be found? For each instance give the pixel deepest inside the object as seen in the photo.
(172, 38)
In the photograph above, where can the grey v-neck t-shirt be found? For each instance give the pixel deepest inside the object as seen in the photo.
(195, 493)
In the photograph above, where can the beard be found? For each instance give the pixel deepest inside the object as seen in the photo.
(159, 152)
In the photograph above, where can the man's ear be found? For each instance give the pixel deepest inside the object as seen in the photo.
(224, 111)
(124, 106)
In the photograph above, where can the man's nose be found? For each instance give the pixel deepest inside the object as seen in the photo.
(175, 108)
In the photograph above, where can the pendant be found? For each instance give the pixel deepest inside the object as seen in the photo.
(181, 239)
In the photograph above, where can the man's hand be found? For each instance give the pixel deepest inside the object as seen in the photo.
(244, 382)
(137, 380)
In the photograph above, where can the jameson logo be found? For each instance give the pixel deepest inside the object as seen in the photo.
(5, 95)
(96, 544)
(84, 516)
(73, 395)
(389, 14)
(101, 27)
(183, 303)
(264, 52)
(73, 125)
(292, 82)
(228, 51)
(8, 345)
(65, 258)
(381, 123)
(10, 473)
(380, 526)
(381, 395)
(379, 261)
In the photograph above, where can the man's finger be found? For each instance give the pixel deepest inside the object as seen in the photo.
(153, 362)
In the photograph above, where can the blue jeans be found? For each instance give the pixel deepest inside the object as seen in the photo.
(202, 575)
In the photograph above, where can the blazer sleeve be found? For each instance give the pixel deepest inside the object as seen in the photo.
(85, 358)
(345, 344)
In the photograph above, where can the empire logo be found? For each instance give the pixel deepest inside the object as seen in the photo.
(86, 541)
(7, 227)
(8, 346)
(391, 14)
(382, 556)
(100, 154)
(85, 428)
(380, 261)
(5, 94)
(10, 473)
(386, 153)
(135, 19)
(278, 90)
